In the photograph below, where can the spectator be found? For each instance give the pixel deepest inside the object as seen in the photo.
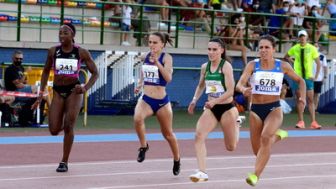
(126, 23)
(6, 118)
(264, 6)
(311, 3)
(15, 80)
(146, 28)
(233, 35)
(308, 23)
(298, 11)
(6, 99)
(198, 16)
(276, 22)
(247, 6)
(331, 7)
(215, 4)
(322, 77)
(305, 54)
(237, 5)
(164, 11)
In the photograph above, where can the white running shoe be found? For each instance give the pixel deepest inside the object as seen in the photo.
(241, 120)
(199, 176)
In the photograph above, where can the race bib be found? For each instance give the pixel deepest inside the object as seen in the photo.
(214, 88)
(267, 83)
(151, 74)
(66, 66)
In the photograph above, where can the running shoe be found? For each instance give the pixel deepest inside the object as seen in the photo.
(241, 120)
(142, 153)
(315, 125)
(300, 125)
(199, 176)
(62, 167)
(252, 179)
(282, 134)
(177, 167)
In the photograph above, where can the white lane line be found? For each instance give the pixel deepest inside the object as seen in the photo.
(217, 181)
(161, 171)
(319, 154)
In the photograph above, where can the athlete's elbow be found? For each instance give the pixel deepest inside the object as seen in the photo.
(95, 75)
(168, 79)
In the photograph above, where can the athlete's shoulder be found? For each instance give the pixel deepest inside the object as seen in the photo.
(52, 50)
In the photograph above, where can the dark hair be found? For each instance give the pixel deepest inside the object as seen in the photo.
(233, 18)
(17, 52)
(285, 2)
(72, 27)
(164, 37)
(222, 44)
(268, 38)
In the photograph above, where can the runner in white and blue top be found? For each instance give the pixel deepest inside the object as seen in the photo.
(266, 116)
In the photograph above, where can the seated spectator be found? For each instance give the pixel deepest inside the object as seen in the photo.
(7, 99)
(199, 16)
(233, 35)
(331, 7)
(146, 28)
(278, 22)
(263, 6)
(248, 6)
(298, 11)
(15, 80)
(311, 3)
(237, 5)
(6, 111)
(215, 4)
(308, 23)
(164, 11)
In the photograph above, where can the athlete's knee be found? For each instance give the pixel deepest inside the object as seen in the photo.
(310, 100)
(199, 136)
(138, 120)
(68, 129)
(266, 139)
(54, 131)
(169, 136)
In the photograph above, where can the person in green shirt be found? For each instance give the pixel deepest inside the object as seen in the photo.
(217, 80)
(305, 54)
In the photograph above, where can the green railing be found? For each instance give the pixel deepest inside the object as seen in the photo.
(104, 27)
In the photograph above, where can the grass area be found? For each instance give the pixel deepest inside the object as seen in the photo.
(181, 120)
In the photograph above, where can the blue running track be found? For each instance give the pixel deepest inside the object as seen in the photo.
(151, 137)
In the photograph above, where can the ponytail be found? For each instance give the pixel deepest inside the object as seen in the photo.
(164, 37)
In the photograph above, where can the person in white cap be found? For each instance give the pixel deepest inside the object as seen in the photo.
(305, 54)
